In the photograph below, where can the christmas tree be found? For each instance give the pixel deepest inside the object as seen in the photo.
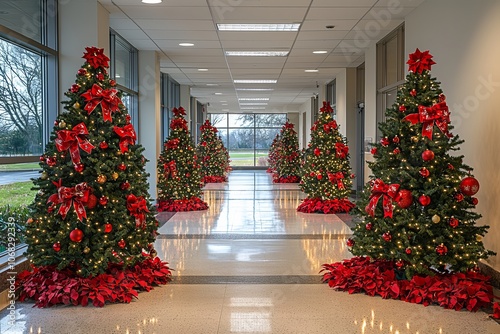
(273, 154)
(213, 155)
(418, 206)
(326, 176)
(179, 173)
(92, 212)
(287, 157)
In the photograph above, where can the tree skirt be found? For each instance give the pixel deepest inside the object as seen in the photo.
(328, 206)
(48, 286)
(286, 179)
(176, 205)
(457, 291)
(214, 179)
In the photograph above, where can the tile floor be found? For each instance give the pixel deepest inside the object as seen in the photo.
(249, 264)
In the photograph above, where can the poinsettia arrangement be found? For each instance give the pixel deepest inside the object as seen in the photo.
(326, 206)
(179, 205)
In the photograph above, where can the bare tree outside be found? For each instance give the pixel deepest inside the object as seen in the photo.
(20, 101)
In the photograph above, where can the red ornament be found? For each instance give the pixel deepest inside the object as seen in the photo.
(122, 166)
(121, 243)
(51, 161)
(428, 155)
(459, 197)
(402, 108)
(42, 158)
(76, 235)
(203, 143)
(384, 141)
(413, 92)
(92, 201)
(188, 174)
(350, 242)
(369, 226)
(56, 246)
(112, 83)
(79, 168)
(125, 185)
(453, 222)
(99, 76)
(469, 186)
(405, 198)
(408, 250)
(474, 200)
(396, 150)
(353, 176)
(450, 167)
(424, 172)
(108, 228)
(395, 140)
(387, 236)
(399, 264)
(128, 118)
(82, 71)
(103, 200)
(319, 176)
(317, 151)
(103, 145)
(75, 88)
(424, 200)
(442, 249)
(373, 151)
(312, 174)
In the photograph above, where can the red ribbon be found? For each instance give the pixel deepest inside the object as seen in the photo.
(388, 192)
(341, 150)
(106, 97)
(127, 136)
(179, 111)
(337, 178)
(74, 140)
(326, 107)
(77, 196)
(137, 206)
(178, 123)
(437, 113)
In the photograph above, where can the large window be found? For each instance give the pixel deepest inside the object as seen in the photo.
(248, 136)
(170, 98)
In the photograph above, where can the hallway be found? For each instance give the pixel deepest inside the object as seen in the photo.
(249, 265)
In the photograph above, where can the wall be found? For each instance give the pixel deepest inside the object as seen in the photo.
(463, 37)
(370, 102)
(304, 129)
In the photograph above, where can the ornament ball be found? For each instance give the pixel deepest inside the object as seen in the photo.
(86, 250)
(108, 228)
(469, 186)
(350, 242)
(56, 247)
(427, 155)
(436, 219)
(76, 235)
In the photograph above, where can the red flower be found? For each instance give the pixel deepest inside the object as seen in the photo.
(496, 311)
(172, 144)
(179, 111)
(420, 61)
(178, 123)
(326, 108)
(96, 57)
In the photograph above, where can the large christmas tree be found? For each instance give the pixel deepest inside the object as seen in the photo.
(213, 155)
(418, 206)
(274, 151)
(92, 212)
(326, 174)
(179, 173)
(288, 157)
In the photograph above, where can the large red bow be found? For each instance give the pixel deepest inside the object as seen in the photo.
(66, 196)
(326, 107)
(127, 136)
(179, 111)
(74, 140)
(388, 191)
(137, 206)
(437, 113)
(170, 168)
(178, 123)
(106, 97)
(341, 150)
(337, 178)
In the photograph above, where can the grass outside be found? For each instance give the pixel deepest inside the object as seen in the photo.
(21, 166)
(17, 194)
(246, 158)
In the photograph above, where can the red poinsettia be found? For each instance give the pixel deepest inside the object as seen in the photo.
(496, 311)
(214, 179)
(177, 205)
(96, 57)
(179, 111)
(327, 206)
(420, 61)
(286, 179)
(178, 123)
(326, 107)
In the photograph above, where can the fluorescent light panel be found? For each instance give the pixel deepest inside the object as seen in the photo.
(254, 99)
(243, 81)
(256, 89)
(253, 108)
(257, 53)
(259, 27)
(151, 1)
(311, 71)
(320, 52)
(254, 104)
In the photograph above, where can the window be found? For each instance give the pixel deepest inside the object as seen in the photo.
(170, 98)
(390, 71)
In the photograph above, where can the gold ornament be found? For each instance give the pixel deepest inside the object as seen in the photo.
(44, 176)
(436, 219)
(180, 151)
(479, 237)
(414, 139)
(114, 175)
(86, 250)
(101, 179)
(76, 105)
(62, 124)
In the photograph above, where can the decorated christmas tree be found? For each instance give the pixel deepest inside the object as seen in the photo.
(92, 216)
(213, 155)
(326, 174)
(273, 154)
(418, 206)
(287, 166)
(179, 173)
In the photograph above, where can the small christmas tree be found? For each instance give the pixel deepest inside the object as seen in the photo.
(287, 156)
(213, 155)
(326, 175)
(417, 208)
(92, 214)
(179, 173)
(273, 154)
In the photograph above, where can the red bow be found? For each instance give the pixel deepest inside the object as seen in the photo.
(388, 191)
(77, 196)
(137, 206)
(172, 144)
(127, 136)
(170, 168)
(337, 178)
(288, 125)
(438, 113)
(326, 107)
(179, 111)
(73, 140)
(341, 150)
(106, 97)
(178, 123)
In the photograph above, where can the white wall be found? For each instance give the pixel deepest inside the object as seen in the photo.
(370, 102)
(463, 37)
(305, 128)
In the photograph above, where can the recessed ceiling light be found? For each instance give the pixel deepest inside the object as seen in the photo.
(151, 1)
(311, 71)
(257, 53)
(212, 84)
(254, 99)
(320, 51)
(254, 104)
(255, 81)
(253, 108)
(259, 27)
(217, 93)
(203, 69)
(186, 44)
(256, 89)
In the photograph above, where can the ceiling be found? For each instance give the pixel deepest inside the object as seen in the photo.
(357, 24)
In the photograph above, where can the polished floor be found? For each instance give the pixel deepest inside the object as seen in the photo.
(249, 264)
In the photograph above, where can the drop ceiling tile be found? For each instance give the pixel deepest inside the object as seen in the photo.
(326, 34)
(129, 34)
(383, 14)
(331, 13)
(143, 44)
(257, 36)
(399, 3)
(373, 27)
(316, 44)
(122, 23)
(174, 44)
(260, 3)
(166, 13)
(169, 3)
(245, 14)
(321, 24)
(279, 45)
(209, 35)
(176, 25)
(343, 3)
